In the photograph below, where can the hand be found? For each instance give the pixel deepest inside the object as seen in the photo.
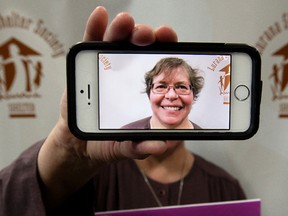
(121, 28)
(66, 163)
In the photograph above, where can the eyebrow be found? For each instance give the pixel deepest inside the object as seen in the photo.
(179, 82)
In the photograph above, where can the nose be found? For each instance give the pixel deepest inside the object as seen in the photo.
(171, 94)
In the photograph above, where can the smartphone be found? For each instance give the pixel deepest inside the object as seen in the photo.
(111, 98)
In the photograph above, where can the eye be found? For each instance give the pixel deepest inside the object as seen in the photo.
(182, 87)
(160, 86)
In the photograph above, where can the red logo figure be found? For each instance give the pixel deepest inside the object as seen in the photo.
(20, 71)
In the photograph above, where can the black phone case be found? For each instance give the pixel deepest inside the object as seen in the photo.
(256, 90)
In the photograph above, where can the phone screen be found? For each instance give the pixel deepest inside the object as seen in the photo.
(123, 98)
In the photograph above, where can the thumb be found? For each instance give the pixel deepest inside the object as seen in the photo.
(143, 149)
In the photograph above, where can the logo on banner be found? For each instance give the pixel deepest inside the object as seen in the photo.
(105, 62)
(224, 84)
(278, 76)
(22, 63)
(224, 76)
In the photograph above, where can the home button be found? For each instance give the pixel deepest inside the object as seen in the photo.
(241, 92)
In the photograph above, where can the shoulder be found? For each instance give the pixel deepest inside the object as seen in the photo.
(18, 178)
(222, 186)
(196, 126)
(139, 124)
(26, 160)
(212, 170)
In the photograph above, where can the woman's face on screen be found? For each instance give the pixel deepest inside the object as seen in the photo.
(170, 107)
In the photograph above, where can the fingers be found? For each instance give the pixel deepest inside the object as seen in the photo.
(108, 151)
(142, 35)
(149, 147)
(138, 150)
(123, 28)
(165, 34)
(120, 28)
(96, 25)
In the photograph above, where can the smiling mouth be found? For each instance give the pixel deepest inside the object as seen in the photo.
(171, 108)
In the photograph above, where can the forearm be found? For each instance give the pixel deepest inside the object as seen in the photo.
(62, 169)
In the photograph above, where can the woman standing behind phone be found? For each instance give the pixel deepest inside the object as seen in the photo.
(63, 175)
(176, 176)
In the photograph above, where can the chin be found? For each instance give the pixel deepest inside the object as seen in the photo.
(172, 125)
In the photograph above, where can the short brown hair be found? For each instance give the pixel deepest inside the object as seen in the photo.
(166, 65)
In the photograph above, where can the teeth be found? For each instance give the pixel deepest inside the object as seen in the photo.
(171, 108)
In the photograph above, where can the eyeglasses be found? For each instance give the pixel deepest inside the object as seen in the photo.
(180, 89)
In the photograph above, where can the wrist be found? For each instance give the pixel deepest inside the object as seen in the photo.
(63, 167)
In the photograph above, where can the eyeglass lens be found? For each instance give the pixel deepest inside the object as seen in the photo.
(183, 88)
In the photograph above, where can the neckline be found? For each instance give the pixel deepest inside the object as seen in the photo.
(170, 184)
